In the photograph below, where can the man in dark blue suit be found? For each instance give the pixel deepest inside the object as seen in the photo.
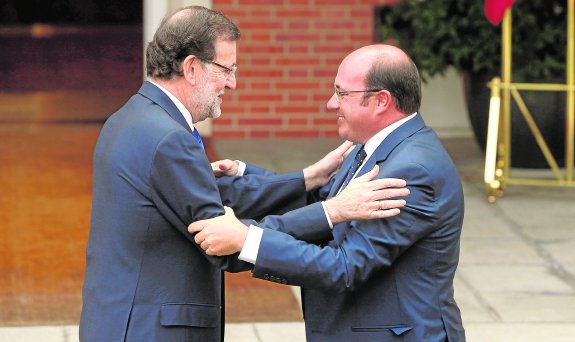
(146, 279)
(371, 280)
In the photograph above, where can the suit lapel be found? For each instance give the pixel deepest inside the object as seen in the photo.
(342, 173)
(392, 141)
(378, 157)
(157, 96)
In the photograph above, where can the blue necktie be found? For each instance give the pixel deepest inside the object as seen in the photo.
(359, 157)
(198, 137)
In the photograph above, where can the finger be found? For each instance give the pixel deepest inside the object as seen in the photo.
(381, 194)
(385, 213)
(223, 167)
(205, 246)
(394, 182)
(215, 165)
(344, 147)
(349, 149)
(368, 176)
(390, 204)
(384, 183)
(196, 226)
(229, 210)
(211, 251)
(200, 238)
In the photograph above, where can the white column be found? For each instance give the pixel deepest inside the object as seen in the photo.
(443, 106)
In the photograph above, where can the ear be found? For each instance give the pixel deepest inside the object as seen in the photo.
(384, 100)
(190, 69)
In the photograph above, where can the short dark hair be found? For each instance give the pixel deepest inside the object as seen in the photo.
(192, 30)
(400, 77)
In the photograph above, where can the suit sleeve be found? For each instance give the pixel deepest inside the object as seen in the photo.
(257, 195)
(184, 189)
(255, 170)
(308, 224)
(368, 246)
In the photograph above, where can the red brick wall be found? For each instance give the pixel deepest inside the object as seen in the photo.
(288, 58)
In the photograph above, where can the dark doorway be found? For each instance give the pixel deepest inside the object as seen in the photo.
(65, 67)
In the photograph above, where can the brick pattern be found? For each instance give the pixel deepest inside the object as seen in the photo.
(288, 58)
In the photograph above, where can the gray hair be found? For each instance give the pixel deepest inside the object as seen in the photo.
(192, 30)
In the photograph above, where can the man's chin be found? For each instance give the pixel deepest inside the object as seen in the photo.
(216, 114)
(342, 133)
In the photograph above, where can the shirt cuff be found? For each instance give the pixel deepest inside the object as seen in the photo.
(326, 215)
(241, 168)
(251, 247)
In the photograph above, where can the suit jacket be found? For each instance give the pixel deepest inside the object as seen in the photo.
(382, 279)
(146, 279)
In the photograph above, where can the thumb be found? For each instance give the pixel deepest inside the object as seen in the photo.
(369, 175)
(346, 145)
(350, 146)
(229, 211)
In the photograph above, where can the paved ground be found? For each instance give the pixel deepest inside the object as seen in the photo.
(516, 279)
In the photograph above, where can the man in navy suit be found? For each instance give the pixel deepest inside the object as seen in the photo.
(146, 279)
(371, 280)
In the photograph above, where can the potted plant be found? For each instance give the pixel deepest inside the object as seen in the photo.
(442, 34)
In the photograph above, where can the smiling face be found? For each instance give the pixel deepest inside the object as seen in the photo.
(362, 110)
(357, 117)
(213, 81)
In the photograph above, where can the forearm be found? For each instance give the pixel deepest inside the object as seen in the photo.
(255, 196)
(308, 224)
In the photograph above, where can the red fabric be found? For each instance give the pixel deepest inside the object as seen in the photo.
(495, 10)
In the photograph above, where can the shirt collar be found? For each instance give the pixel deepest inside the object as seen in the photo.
(185, 113)
(373, 142)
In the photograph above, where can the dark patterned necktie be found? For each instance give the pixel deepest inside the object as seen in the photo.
(359, 157)
(198, 137)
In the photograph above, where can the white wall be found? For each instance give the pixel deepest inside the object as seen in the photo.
(443, 106)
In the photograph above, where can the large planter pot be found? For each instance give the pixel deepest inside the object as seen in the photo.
(547, 109)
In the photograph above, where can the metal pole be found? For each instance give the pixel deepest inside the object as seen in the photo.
(505, 143)
(570, 115)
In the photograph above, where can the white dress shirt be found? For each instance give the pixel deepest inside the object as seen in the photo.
(249, 252)
(183, 110)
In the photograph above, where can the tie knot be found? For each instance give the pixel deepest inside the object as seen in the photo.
(360, 156)
(358, 160)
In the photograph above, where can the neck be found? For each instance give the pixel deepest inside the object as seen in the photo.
(176, 87)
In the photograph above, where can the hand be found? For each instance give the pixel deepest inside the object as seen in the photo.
(319, 174)
(225, 167)
(365, 198)
(222, 235)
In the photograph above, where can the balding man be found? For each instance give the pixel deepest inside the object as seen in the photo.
(372, 280)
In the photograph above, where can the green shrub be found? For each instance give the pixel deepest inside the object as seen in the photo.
(439, 34)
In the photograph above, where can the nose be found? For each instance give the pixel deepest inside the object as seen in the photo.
(231, 81)
(332, 103)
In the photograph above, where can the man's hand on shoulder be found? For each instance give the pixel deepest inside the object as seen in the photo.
(367, 198)
(319, 174)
